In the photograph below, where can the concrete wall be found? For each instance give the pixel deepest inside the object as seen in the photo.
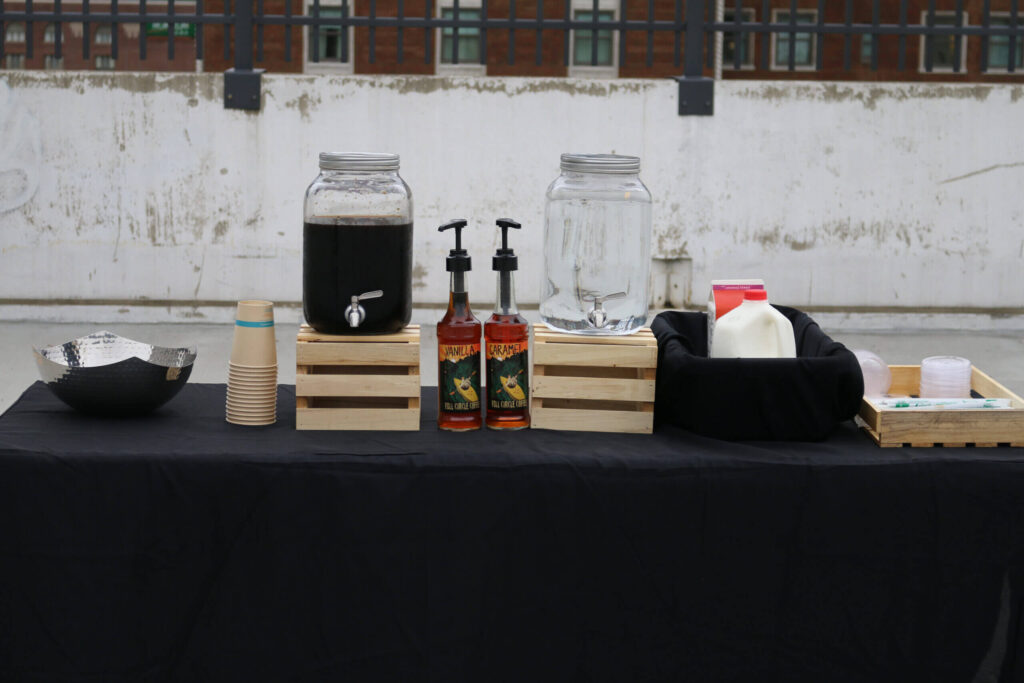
(116, 188)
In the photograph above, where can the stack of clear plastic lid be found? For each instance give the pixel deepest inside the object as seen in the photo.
(945, 377)
(877, 376)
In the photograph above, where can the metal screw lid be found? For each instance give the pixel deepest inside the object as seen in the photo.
(355, 161)
(600, 163)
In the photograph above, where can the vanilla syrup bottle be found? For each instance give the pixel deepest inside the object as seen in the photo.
(458, 347)
(507, 341)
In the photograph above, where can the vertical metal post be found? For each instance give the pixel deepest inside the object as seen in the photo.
(696, 92)
(242, 83)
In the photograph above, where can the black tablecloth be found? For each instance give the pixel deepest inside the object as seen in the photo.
(177, 547)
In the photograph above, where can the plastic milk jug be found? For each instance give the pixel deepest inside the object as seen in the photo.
(753, 330)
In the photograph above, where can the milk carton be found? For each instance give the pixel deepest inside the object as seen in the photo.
(726, 295)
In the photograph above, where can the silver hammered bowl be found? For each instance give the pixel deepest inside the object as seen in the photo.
(106, 374)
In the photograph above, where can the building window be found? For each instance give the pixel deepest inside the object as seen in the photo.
(804, 47)
(469, 38)
(53, 63)
(742, 41)
(999, 48)
(866, 43)
(15, 33)
(50, 33)
(331, 47)
(14, 62)
(944, 47)
(104, 36)
(583, 41)
(104, 63)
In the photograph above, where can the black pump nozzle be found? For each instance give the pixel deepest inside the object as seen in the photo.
(505, 259)
(458, 258)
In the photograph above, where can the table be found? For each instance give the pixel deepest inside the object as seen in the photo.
(176, 547)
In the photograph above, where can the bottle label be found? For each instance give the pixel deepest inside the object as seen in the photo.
(508, 375)
(459, 377)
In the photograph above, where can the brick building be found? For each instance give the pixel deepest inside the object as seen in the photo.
(589, 55)
(100, 39)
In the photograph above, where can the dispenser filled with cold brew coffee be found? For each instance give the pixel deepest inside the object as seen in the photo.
(357, 246)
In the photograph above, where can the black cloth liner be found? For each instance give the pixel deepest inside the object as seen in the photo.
(176, 547)
(786, 399)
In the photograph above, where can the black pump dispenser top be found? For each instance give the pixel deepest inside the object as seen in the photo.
(458, 260)
(505, 259)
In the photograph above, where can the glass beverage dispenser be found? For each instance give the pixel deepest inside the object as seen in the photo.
(357, 246)
(597, 246)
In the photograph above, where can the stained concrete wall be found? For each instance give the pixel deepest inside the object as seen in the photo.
(118, 188)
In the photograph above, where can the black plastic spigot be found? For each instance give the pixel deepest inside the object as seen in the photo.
(505, 259)
(458, 260)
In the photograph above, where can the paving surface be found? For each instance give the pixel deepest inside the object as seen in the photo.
(1001, 354)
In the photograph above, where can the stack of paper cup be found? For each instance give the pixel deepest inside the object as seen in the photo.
(252, 371)
(945, 377)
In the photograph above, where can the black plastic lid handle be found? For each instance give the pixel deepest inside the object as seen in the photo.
(458, 260)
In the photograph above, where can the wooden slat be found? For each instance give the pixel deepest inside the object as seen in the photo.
(346, 353)
(410, 333)
(592, 420)
(392, 419)
(955, 426)
(642, 337)
(300, 402)
(593, 388)
(595, 356)
(989, 388)
(357, 385)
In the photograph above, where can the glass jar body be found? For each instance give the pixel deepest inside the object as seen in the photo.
(357, 240)
(597, 253)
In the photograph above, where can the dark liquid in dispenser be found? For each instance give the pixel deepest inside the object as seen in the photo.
(348, 257)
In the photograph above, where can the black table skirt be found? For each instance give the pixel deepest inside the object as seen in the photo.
(177, 547)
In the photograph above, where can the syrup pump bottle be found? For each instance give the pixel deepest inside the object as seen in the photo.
(507, 338)
(458, 347)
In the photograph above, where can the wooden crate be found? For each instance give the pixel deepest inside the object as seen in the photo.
(358, 382)
(926, 428)
(593, 384)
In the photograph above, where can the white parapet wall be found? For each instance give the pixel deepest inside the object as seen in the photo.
(135, 192)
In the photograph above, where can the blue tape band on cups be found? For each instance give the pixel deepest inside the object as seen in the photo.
(262, 323)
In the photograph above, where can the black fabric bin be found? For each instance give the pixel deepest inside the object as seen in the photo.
(786, 399)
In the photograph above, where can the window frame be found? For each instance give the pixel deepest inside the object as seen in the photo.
(1002, 69)
(96, 63)
(751, 38)
(963, 47)
(448, 68)
(330, 67)
(812, 64)
(9, 28)
(109, 31)
(47, 39)
(59, 61)
(15, 55)
(586, 70)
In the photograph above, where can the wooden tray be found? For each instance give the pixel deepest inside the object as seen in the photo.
(593, 384)
(358, 382)
(897, 427)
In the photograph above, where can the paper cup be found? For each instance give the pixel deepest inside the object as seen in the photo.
(254, 344)
(251, 423)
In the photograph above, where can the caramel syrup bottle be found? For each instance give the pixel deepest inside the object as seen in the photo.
(458, 347)
(507, 341)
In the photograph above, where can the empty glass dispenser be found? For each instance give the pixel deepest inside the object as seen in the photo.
(597, 246)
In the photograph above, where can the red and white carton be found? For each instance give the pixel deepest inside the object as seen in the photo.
(726, 295)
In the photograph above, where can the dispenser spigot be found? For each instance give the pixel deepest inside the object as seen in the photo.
(355, 313)
(597, 315)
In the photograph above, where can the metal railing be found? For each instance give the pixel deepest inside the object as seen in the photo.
(693, 30)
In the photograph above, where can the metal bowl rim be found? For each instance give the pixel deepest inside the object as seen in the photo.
(190, 352)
